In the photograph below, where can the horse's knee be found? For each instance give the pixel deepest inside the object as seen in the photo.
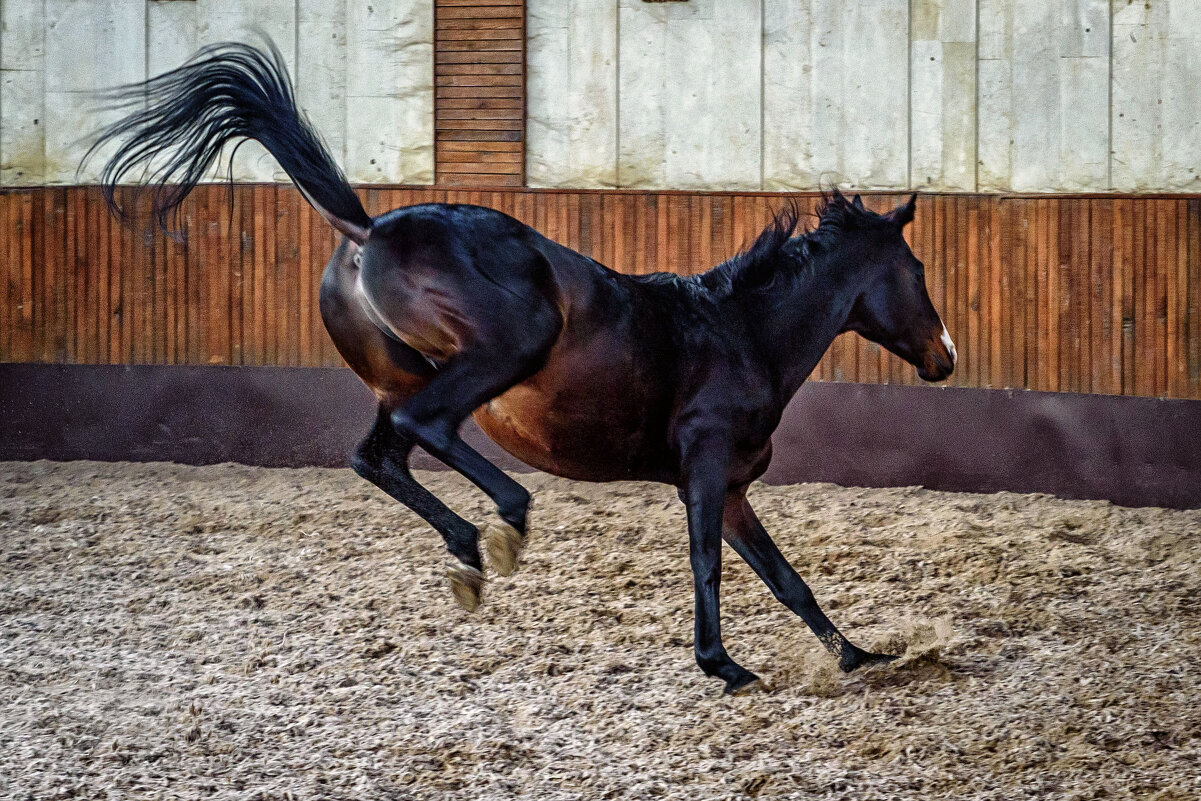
(796, 597)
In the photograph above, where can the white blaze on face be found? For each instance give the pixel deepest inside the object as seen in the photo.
(946, 340)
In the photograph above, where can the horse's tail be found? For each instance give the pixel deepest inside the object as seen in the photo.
(179, 121)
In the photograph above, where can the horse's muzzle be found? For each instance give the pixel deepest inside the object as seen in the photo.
(939, 360)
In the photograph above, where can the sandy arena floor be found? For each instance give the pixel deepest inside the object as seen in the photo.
(242, 633)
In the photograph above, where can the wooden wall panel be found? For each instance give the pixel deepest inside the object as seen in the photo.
(1080, 294)
(479, 92)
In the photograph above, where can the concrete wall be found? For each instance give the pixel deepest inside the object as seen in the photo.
(363, 70)
(962, 95)
(968, 95)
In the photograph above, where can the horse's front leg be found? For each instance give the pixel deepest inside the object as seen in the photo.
(750, 540)
(705, 459)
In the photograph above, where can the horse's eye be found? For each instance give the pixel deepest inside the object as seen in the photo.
(358, 258)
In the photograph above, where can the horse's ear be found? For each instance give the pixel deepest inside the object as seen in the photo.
(857, 202)
(903, 215)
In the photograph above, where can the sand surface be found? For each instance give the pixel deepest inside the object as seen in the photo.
(242, 633)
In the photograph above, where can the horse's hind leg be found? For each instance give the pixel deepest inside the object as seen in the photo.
(382, 458)
(468, 380)
(746, 535)
(511, 337)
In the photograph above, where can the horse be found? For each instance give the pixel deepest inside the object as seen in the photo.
(451, 311)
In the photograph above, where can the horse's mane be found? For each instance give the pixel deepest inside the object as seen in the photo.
(779, 250)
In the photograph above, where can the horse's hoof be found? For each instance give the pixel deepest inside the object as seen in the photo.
(745, 685)
(754, 687)
(864, 659)
(504, 545)
(466, 585)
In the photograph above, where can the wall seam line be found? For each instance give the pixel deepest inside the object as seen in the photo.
(976, 107)
(909, 97)
(1109, 87)
(617, 99)
(762, 93)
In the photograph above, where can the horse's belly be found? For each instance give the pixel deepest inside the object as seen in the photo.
(580, 437)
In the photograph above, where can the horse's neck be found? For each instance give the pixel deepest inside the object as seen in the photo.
(799, 318)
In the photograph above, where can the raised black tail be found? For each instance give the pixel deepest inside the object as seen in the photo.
(180, 120)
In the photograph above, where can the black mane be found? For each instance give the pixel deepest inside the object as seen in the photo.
(779, 250)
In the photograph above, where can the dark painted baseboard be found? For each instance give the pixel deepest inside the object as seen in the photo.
(1133, 451)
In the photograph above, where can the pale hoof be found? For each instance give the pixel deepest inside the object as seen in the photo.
(466, 585)
(504, 546)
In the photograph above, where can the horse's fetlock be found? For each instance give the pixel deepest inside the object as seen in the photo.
(513, 510)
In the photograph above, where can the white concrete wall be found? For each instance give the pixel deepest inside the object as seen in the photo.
(363, 71)
(965, 95)
(962, 95)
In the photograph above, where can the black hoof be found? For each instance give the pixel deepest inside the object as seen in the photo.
(744, 685)
(857, 658)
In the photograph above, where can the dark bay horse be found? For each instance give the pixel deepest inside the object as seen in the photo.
(450, 311)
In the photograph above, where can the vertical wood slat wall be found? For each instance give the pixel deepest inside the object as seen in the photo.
(1079, 294)
(479, 92)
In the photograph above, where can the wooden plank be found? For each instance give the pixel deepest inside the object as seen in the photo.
(479, 45)
(515, 91)
(479, 136)
(479, 103)
(1042, 325)
(197, 277)
(8, 262)
(486, 117)
(1100, 294)
(1015, 256)
(53, 242)
(1054, 298)
(480, 80)
(1179, 363)
(473, 25)
(1193, 282)
(1170, 259)
(232, 226)
(478, 56)
(470, 34)
(1163, 262)
(448, 147)
(1072, 277)
(479, 125)
(477, 69)
(998, 282)
(477, 3)
(447, 13)
(45, 278)
(479, 179)
(483, 167)
(977, 366)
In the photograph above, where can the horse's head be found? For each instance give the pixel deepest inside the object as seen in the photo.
(893, 308)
